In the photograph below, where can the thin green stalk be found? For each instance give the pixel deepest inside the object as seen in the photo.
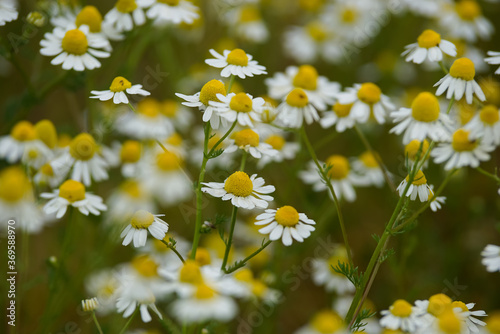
(243, 161)
(230, 238)
(96, 323)
(488, 174)
(243, 262)
(129, 321)
(169, 245)
(332, 191)
(445, 70)
(230, 85)
(450, 104)
(132, 107)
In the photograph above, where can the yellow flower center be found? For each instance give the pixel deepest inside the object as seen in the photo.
(72, 190)
(168, 161)
(210, 90)
(468, 10)
(142, 219)
(276, 141)
(91, 17)
(148, 107)
(465, 112)
(491, 89)
(131, 188)
(369, 93)
(63, 140)
(241, 102)
(237, 57)
(23, 131)
(126, 6)
(438, 304)
(392, 331)
(349, 15)
(401, 308)
(212, 141)
(460, 304)
(334, 260)
(169, 108)
(170, 2)
(46, 132)
(425, 107)
(311, 5)
(317, 31)
(203, 256)
(461, 142)
(175, 140)
(249, 14)
(368, 159)
(47, 170)
(339, 167)
(82, 147)
(239, 184)
(429, 39)
(449, 323)
(119, 84)
(412, 149)
(463, 68)
(306, 78)
(326, 322)
(145, 266)
(190, 273)
(489, 114)
(75, 42)
(244, 275)
(419, 178)
(342, 110)
(131, 151)
(297, 98)
(287, 216)
(246, 137)
(13, 184)
(203, 291)
(493, 323)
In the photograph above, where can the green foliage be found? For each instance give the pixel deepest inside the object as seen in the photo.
(358, 324)
(352, 274)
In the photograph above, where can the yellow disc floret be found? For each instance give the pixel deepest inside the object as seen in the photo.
(239, 184)
(72, 190)
(287, 216)
(342, 110)
(317, 31)
(126, 6)
(90, 16)
(401, 308)
(449, 323)
(368, 159)
(429, 39)
(190, 273)
(297, 98)
(145, 266)
(203, 256)
(203, 291)
(119, 84)
(413, 147)
(47, 170)
(246, 137)
(489, 114)
(237, 57)
(326, 322)
(142, 219)
(23, 131)
(419, 178)
(241, 102)
(460, 305)
(131, 151)
(244, 275)
(461, 141)
(82, 147)
(468, 10)
(46, 132)
(249, 13)
(438, 304)
(210, 90)
(75, 42)
(493, 323)
(170, 2)
(168, 161)
(369, 93)
(14, 184)
(276, 141)
(149, 107)
(463, 68)
(339, 167)
(306, 78)
(425, 107)
(169, 108)
(175, 139)
(349, 15)
(131, 188)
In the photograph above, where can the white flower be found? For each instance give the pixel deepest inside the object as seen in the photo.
(131, 297)
(8, 11)
(243, 191)
(324, 275)
(285, 223)
(486, 125)
(368, 169)
(436, 202)
(494, 59)
(125, 14)
(75, 47)
(429, 46)
(460, 81)
(282, 150)
(295, 108)
(72, 193)
(464, 313)
(249, 141)
(465, 21)
(340, 116)
(241, 107)
(90, 305)
(418, 187)
(176, 11)
(491, 258)
(324, 322)
(401, 315)
(117, 91)
(235, 62)
(141, 222)
(104, 285)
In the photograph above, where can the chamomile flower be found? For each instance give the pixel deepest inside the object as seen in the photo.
(235, 62)
(165, 12)
(295, 108)
(401, 315)
(72, 193)
(460, 81)
(491, 258)
(131, 297)
(103, 284)
(141, 222)
(417, 147)
(75, 47)
(429, 46)
(493, 59)
(437, 202)
(324, 275)
(283, 150)
(242, 107)
(418, 187)
(286, 224)
(179, 115)
(249, 141)
(368, 169)
(117, 91)
(243, 191)
(366, 99)
(423, 120)
(340, 116)
(468, 316)
(247, 22)
(125, 14)
(8, 11)
(131, 152)
(21, 140)
(429, 310)
(83, 159)
(324, 322)
(45, 176)
(202, 100)
(90, 305)
(461, 151)
(486, 125)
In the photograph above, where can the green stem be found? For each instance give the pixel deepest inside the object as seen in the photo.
(230, 238)
(243, 161)
(488, 174)
(96, 323)
(223, 137)
(230, 85)
(132, 107)
(243, 262)
(169, 245)
(445, 70)
(129, 321)
(332, 191)
(450, 104)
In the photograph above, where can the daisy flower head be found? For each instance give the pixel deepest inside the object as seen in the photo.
(249, 141)
(248, 24)
(74, 47)
(164, 12)
(340, 116)
(460, 81)
(324, 322)
(491, 258)
(141, 222)
(486, 125)
(418, 187)
(429, 310)
(286, 224)
(242, 107)
(366, 99)
(323, 273)
(466, 21)
(423, 120)
(493, 59)
(400, 315)
(90, 305)
(8, 11)
(295, 108)
(103, 284)
(437, 202)
(72, 193)
(125, 14)
(429, 46)
(493, 323)
(368, 168)
(465, 313)
(283, 150)
(462, 151)
(133, 296)
(243, 191)
(118, 91)
(203, 99)
(235, 62)
(417, 148)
